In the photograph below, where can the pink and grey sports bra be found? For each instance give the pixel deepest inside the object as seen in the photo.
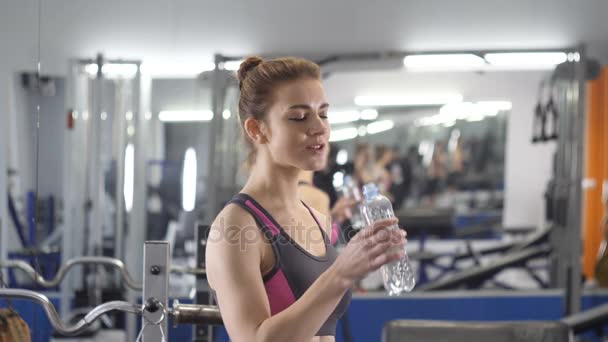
(295, 269)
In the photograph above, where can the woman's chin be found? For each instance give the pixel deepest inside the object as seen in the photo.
(313, 165)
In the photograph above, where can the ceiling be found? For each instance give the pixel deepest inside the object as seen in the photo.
(191, 31)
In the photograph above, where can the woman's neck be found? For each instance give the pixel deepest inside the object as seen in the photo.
(274, 184)
(306, 176)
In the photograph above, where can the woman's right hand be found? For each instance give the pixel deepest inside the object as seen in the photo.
(371, 248)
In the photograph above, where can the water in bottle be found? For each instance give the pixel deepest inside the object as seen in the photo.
(398, 276)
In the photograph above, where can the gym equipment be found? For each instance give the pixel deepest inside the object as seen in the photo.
(418, 331)
(181, 313)
(155, 309)
(593, 319)
(102, 261)
(476, 276)
(430, 260)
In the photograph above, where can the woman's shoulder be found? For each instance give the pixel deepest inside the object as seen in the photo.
(233, 218)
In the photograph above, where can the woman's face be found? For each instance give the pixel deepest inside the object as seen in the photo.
(298, 130)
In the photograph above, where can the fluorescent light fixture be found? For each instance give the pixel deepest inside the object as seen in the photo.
(527, 59)
(129, 176)
(75, 115)
(125, 70)
(343, 134)
(226, 114)
(362, 130)
(130, 130)
(85, 116)
(91, 69)
(175, 70)
(342, 157)
(338, 179)
(410, 100)
(129, 115)
(148, 116)
(380, 126)
(469, 111)
(189, 180)
(185, 115)
(343, 116)
(104, 116)
(443, 61)
(232, 65)
(475, 118)
(369, 114)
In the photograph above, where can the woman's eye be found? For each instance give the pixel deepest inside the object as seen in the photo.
(302, 118)
(323, 116)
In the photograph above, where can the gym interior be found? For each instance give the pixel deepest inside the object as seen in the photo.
(485, 124)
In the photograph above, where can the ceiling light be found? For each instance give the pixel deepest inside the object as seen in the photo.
(527, 59)
(175, 70)
(410, 100)
(343, 116)
(343, 134)
(443, 61)
(342, 157)
(380, 126)
(362, 130)
(369, 114)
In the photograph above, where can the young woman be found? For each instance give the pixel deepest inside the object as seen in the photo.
(275, 275)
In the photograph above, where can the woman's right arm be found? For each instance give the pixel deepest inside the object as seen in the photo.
(233, 270)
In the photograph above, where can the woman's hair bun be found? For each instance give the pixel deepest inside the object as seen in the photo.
(248, 65)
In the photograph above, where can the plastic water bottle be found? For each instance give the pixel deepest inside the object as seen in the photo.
(398, 276)
(350, 190)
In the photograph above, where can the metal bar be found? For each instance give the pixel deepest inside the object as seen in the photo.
(195, 314)
(330, 58)
(212, 173)
(136, 218)
(31, 218)
(156, 284)
(587, 320)
(3, 199)
(575, 222)
(105, 261)
(482, 273)
(120, 177)
(63, 271)
(54, 319)
(202, 333)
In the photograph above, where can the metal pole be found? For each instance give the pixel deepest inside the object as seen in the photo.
(202, 333)
(119, 116)
(214, 136)
(136, 218)
(156, 286)
(3, 196)
(578, 103)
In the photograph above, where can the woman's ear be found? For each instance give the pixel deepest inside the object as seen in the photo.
(255, 130)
